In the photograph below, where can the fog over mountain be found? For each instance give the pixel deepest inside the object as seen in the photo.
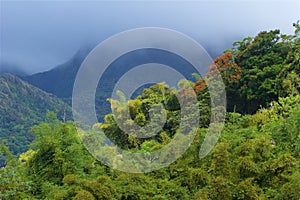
(37, 36)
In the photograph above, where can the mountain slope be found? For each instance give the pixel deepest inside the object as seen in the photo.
(22, 106)
(60, 80)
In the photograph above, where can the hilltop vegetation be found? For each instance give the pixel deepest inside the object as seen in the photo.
(256, 157)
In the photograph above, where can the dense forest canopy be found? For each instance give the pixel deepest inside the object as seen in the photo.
(256, 157)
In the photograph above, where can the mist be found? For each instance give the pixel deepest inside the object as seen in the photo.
(38, 35)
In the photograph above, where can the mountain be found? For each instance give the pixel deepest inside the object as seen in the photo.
(59, 81)
(22, 106)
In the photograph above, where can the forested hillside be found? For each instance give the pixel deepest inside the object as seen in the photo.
(256, 157)
(22, 106)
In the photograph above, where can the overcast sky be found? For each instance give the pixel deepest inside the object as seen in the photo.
(37, 36)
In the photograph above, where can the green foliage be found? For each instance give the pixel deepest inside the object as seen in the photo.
(56, 144)
(249, 190)
(248, 163)
(84, 195)
(22, 106)
(220, 162)
(12, 184)
(257, 157)
(270, 69)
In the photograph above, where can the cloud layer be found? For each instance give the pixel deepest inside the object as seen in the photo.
(36, 36)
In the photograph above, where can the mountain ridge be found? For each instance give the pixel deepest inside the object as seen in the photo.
(60, 79)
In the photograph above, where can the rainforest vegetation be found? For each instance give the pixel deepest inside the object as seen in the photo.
(256, 157)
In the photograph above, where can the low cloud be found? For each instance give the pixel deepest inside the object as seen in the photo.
(40, 35)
